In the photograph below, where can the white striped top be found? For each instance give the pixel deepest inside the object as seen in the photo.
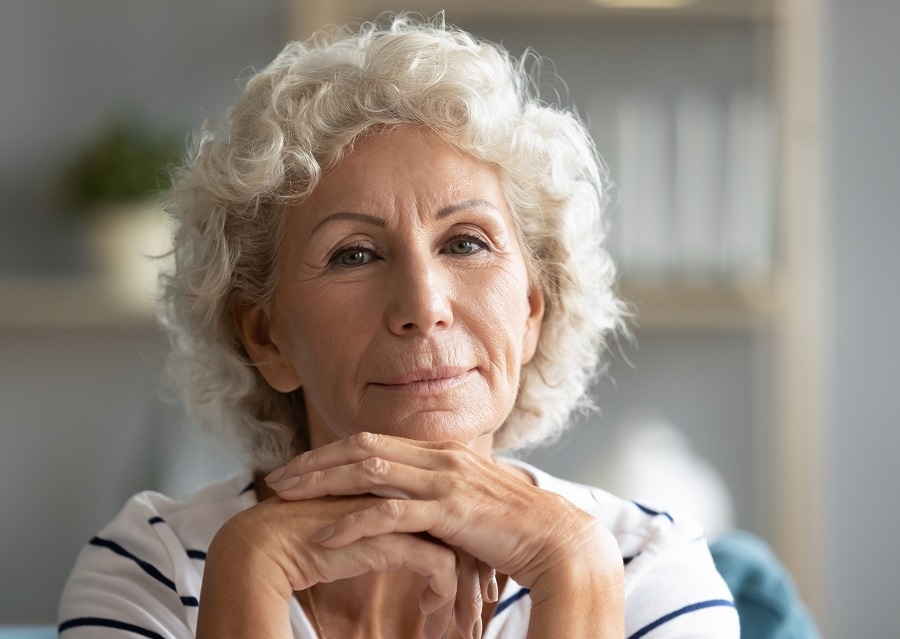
(141, 576)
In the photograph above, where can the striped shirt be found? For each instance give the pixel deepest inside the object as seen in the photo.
(141, 576)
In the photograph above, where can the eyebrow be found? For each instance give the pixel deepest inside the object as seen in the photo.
(350, 215)
(475, 203)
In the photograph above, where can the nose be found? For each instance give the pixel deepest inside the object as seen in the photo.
(421, 296)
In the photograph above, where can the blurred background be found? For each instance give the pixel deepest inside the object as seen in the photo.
(755, 151)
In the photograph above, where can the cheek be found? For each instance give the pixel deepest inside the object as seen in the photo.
(319, 328)
(502, 313)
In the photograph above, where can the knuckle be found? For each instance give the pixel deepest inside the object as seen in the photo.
(450, 446)
(455, 510)
(314, 478)
(366, 442)
(391, 509)
(447, 559)
(309, 458)
(376, 469)
(384, 560)
(457, 457)
(379, 562)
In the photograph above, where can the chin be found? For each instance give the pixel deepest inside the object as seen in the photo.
(429, 428)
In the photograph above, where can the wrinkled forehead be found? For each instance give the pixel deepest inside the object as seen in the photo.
(404, 170)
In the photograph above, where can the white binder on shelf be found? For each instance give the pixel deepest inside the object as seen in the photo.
(645, 192)
(700, 139)
(749, 218)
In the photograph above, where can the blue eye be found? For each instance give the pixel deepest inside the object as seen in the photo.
(465, 245)
(352, 256)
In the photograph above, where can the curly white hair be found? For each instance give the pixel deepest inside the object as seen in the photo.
(293, 121)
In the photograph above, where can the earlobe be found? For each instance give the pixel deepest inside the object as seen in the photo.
(533, 323)
(254, 327)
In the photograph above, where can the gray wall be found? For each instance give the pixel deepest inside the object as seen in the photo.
(862, 72)
(81, 425)
(65, 66)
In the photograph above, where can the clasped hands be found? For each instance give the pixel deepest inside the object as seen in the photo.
(439, 509)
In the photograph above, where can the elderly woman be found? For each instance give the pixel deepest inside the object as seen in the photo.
(388, 267)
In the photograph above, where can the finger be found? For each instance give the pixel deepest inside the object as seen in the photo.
(363, 446)
(433, 561)
(388, 516)
(434, 518)
(373, 475)
(437, 624)
(468, 604)
(487, 576)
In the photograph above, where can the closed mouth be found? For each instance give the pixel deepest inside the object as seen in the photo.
(426, 379)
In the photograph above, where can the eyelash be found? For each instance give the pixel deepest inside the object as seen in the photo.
(480, 242)
(474, 239)
(335, 260)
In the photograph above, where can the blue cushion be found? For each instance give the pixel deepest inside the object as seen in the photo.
(764, 593)
(28, 632)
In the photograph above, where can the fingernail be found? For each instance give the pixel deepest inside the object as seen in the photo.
(275, 475)
(476, 629)
(285, 484)
(323, 534)
(493, 592)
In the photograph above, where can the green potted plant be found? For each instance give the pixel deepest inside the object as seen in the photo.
(116, 185)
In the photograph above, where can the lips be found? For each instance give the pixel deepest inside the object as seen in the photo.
(424, 377)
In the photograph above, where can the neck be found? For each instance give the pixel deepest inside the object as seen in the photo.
(373, 605)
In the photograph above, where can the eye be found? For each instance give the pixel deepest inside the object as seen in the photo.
(466, 245)
(352, 256)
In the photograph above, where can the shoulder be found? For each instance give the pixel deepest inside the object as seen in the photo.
(143, 571)
(671, 583)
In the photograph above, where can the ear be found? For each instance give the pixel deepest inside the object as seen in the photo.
(254, 327)
(533, 323)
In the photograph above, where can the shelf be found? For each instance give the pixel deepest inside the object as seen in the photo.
(302, 18)
(560, 9)
(699, 307)
(47, 303)
(50, 303)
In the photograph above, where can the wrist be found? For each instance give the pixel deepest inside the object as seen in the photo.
(244, 592)
(240, 558)
(581, 593)
(588, 563)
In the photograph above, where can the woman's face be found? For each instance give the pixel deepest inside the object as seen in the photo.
(403, 305)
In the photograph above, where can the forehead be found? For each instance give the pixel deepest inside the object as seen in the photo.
(387, 171)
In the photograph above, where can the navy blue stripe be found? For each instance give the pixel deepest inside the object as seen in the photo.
(712, 603)
(108, 623)
(148, 568)
(653, 513)
(193, 554)
(503, 605)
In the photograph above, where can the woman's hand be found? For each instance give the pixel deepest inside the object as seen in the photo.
(260, 557)
(472, 504)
